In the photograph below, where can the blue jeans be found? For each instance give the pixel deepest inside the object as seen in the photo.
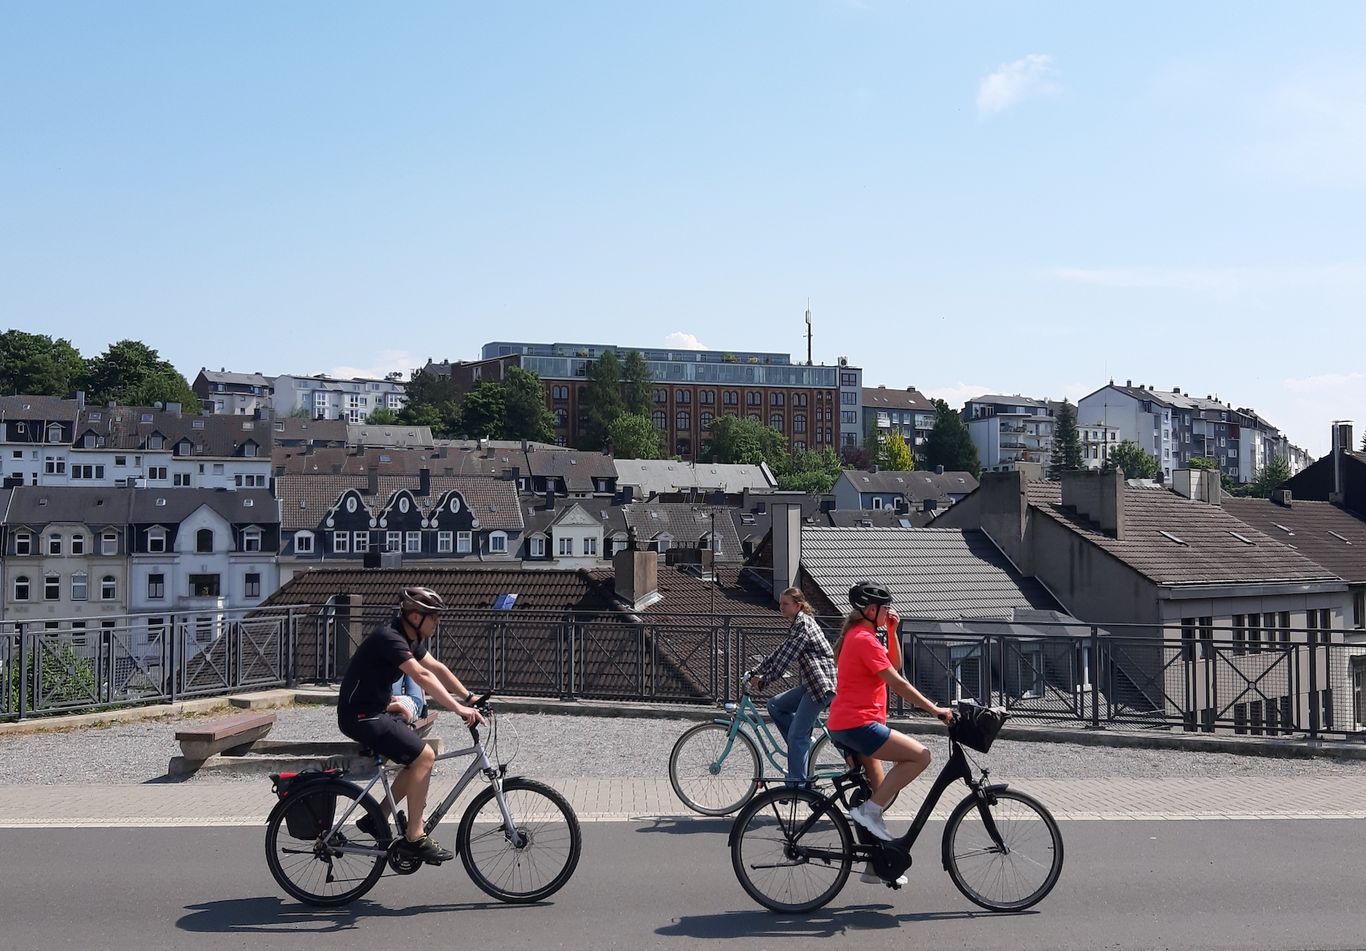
(794, 714)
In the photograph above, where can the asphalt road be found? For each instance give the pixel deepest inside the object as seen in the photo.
(668, 884)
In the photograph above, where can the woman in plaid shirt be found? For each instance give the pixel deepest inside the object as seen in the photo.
(795, 711)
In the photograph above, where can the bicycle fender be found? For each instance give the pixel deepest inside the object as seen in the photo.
(721, 721)
(992, 789)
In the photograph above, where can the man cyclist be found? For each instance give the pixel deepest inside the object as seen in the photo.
(397, 647)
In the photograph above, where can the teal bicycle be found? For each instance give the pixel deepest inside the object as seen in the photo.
(716, 767)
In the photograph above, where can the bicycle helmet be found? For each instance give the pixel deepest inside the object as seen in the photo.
(866, 594)
(420, 599)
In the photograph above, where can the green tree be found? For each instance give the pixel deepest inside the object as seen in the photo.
(1066, 455)
(814, 471)
(382, 417)
(525, 414)
(38, 365)
(633, 436)
(893, 454)
(1269, 478)
(482, 412)
(1136, 462)
(67, 677)
(1203, 462)
(431, 400)
(949, 444)
(602, 401)
(636, 381)
(133, 374)
(736, 439)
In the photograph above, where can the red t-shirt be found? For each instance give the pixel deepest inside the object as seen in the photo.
(860, 694)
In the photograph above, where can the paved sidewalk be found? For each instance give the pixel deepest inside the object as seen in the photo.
(598, 800)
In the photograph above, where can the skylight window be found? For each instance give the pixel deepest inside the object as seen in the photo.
(1339, 537)
(504, 602)
(1283, 528)
(1242, 538)
(1179, 541)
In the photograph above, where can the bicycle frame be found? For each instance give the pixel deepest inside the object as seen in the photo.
(480, 764)
(746, 713)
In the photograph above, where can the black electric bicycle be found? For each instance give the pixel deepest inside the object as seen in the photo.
(792, 849)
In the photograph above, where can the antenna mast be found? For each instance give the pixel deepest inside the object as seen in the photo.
(808, 332)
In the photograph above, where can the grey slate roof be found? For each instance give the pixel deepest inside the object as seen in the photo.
(297, 429)
(129, 427)
(1209, 550)
(686, 524)
(577, 469)
(1015, 400)
(931, 572)
(652, 477)
(1321, 531)
(918, 485)
(394, 436)
(88, 505)
(227, 377)
(306, 499)
(37, 407)
(882, 397)
(242, 506)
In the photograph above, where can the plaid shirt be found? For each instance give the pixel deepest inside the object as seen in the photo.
(806, 643)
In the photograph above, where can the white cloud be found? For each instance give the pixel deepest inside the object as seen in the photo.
(385, 362)
(1012, 82)
(678, 340)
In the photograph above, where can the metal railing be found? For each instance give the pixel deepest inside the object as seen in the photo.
(1275, 682)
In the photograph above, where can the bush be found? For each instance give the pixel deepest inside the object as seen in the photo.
(68, 678)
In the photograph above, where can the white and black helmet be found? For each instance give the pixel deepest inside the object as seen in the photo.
(420, 599)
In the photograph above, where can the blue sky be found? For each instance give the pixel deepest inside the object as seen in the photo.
(992, 197)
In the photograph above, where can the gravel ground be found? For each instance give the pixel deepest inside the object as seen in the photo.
(583, 746)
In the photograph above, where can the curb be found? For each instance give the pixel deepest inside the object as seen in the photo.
(1085, 736)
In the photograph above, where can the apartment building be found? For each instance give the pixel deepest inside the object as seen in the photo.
(234, 394)
(327, 397)
(1010, 430)
(908, 412)
(1098, 441)
(692, 387)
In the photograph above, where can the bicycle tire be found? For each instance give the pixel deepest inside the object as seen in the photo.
(547, 824)
(710, 786)
(825, 761)
(301, 866)
(767, 859)
(982, 872)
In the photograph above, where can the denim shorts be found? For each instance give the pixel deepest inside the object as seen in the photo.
(865, 740)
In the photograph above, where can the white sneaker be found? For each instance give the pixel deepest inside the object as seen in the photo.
(872, 878)
(869, 815)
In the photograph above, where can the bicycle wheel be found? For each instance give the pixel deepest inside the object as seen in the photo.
(825, 761)
(709, 779)
(782, 867)
(549, 849)
(1012, 878)
(318, 872)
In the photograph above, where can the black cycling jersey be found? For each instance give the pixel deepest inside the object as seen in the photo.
(369, 681)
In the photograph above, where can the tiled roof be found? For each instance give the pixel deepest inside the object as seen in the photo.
(339, 460)
(462, 588)
(871, 518)
(687, 594)
(1015, 400)
(918, 485)
(909, 398)
(1322, 532)
(218, 436)
(661, 476)
(1177, 541)
(306, 499)
(87, 505)
(297, 429)
(931, 572)
(577, 469)
(236, 379)
(685, 523)
(37, 407)
(395, 436)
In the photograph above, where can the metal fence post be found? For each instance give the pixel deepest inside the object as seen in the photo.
(291, 673)
(23, 670)
(1314, 720)
(1094, 678)
(725, 660)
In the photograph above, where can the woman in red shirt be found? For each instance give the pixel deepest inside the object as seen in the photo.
(858, 716)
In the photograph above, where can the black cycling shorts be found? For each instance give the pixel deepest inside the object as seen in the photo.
(387, 734)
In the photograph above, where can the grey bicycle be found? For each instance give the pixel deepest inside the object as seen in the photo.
(715, 768)
(518, 839)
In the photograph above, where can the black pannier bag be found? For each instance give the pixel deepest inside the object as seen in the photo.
(310, 816)
(976, 726)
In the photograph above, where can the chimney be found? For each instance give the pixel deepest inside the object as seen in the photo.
(510, 473)
(1202, 485)
(1342, 444)
(424, 481)
(372, 482)
(1098, 496)
(872, 467)
(1129, 383)
(636, 574)
(80, 400)
(1176, 390)
(549, 499)
(786, 545)
(173, 409)
(938, 470)
(1281, 497)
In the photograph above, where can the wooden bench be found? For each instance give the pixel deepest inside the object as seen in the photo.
(224, 735)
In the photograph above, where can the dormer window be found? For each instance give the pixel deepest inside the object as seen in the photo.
(156, 540)
(251, 539)
(156, 441)
(23, 543)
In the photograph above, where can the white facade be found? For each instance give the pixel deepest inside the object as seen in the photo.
(1146, 421)
(64, 465)
(324, 397)
(1006, 439)
(1097, 442)
(576, 540)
